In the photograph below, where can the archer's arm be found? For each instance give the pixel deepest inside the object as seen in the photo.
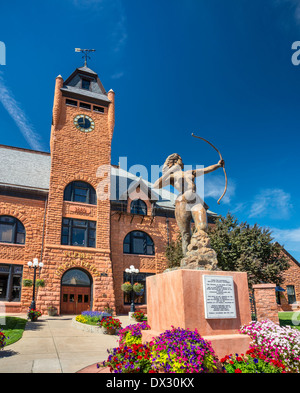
(208, 169)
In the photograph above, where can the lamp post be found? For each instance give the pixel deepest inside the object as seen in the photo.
(132, 270)
(35, 264)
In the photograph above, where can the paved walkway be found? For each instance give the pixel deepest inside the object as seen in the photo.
(54, 345)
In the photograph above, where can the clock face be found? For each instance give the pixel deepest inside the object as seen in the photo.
(84, 123)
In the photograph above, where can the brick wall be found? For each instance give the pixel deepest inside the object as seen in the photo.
(31, 214)
(265, 302)
(290, 277)
(158, 228)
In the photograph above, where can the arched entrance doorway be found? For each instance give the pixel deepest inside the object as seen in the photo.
(76, 285)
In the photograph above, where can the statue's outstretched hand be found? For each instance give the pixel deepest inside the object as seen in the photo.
(221, 163)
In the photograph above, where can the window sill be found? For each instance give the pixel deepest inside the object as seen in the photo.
(12, 244)
(80, 203)
(139, 255)
(80, 247)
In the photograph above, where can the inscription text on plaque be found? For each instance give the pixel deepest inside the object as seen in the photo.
(219, 300)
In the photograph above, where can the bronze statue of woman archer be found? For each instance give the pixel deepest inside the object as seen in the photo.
(188, 204)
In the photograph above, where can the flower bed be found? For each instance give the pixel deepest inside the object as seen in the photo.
(81, 319)
(274, 350)
(282, 344)
(129, 359)
(132, 334)
(182, 351)
(252, 362)
(3, 339)
(91, 317)
(176, 351)
(139, 316)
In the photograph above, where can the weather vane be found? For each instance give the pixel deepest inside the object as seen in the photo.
(85, 54)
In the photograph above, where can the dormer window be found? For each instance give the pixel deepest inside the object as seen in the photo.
(85, 84)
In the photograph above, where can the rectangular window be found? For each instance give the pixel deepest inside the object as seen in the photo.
(138, 298)
(80, 194)
(78, 236)
(85, 106)
(138, 245)
(71, 102)
(78, 232)
(98, 109)
(6, 232)
(10, 282)
(120, 206)
(126, 248)
(290, 289)
(85, 84)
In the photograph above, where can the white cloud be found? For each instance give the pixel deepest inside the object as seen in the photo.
(292, 5)
(17, 114)
(291, 235)
(120, 35)
(289, 238)
(214, 187)
(273, 203)
(117, 75)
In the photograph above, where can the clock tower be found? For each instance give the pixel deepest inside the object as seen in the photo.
(77, 255)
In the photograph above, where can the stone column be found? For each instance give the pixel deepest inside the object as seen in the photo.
(265, 302)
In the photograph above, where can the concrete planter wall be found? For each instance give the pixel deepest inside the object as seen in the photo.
(89, 328)
(86, 327)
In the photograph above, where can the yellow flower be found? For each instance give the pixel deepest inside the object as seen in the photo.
(81, 319)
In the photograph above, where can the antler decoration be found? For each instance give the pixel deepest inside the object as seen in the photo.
(221, 158)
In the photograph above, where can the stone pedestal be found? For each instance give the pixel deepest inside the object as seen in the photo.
(199, 254)
(176, 298)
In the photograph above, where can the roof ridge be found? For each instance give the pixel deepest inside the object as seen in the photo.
(25, 149)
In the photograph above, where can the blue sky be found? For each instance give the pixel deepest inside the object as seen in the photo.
(222, 70)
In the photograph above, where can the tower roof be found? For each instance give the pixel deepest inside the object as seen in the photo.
(84, 84)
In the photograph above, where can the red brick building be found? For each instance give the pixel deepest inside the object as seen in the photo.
(51, 208)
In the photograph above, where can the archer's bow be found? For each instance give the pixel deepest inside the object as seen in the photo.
(221, 158)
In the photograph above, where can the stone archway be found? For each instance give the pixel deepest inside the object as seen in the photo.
(76, 291)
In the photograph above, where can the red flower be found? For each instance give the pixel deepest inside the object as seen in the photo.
(239, 359)
(238, 371)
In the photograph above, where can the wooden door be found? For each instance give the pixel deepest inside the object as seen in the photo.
(74, 299)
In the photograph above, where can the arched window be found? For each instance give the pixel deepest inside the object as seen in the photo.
(76, 277)
(137, 242)
(79, 191)
(11, 230)
(138, 207)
